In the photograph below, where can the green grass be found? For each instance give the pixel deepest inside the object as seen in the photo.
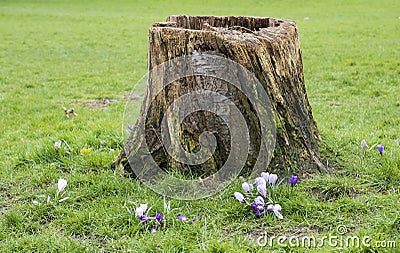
(71, 53)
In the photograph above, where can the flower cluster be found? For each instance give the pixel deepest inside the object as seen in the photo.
(182, 217)
(143, 216)
(266, 182)
(157, 220)
(380, 147)
(69, 151)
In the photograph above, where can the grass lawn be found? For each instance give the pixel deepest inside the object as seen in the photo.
(89, 54)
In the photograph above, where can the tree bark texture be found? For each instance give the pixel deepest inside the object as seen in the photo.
(267, 47)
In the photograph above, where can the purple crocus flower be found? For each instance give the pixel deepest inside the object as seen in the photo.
(293, 179)
(144, 218)
(259, 201)
(253, 206)
(154, 230)
(381, 149)
(258, 213)
(130, 127)
(262, 190)
(159, 217)
(364, 144)
(181, 217)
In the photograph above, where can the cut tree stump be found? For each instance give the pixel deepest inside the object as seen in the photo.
(267, 47)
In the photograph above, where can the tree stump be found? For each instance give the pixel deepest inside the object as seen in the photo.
(269, 48)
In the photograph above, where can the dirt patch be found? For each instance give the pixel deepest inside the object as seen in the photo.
(104, 102)
(133, 96)
(98, 103)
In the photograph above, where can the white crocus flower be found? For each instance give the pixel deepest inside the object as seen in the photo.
(260, 180)
(265, 175)
(276, 208)
(141, 210)
(62, 183)
(247, 188)
(272, 178)
(239, 197)
(57, 144)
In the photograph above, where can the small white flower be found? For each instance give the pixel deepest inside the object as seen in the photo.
(141, 210)
(272, 178)
(35, 202)
(62, 183)
(260, 180)
(276, 208)
(239, 197)
(247, 188)
(57, 144)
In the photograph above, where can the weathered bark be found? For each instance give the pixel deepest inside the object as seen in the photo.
(267, 47)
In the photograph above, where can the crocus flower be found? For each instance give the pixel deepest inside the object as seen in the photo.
(260, 180)
(141, 210)
(62, 183)
(258, 213)
(154, 230)
(130, 127)
(239, 197)
(57, 144)
(181, 217)
(272, 178)
(381, 149)
(265, 175)
(159, 217)
(262, 189)
(276, 208)
(293, 179)
(247, 188)
(364, 144)
(253, 206)
(144, 218)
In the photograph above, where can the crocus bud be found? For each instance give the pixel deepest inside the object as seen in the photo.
(262, 190)
(364, 144)
(62, 183)
(293, 179)
(381, 149)
(57, 144)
